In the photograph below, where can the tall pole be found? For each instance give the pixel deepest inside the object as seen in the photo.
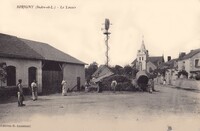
(107, 24)
(107, 49)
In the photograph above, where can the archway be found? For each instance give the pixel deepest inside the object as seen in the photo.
(11, 75)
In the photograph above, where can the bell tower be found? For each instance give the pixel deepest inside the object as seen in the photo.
(142, 56)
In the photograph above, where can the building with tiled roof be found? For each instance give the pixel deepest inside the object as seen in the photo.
(30, 60)
(190, 62)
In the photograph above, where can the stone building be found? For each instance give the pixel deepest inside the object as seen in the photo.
(30, 60)
(190, 62)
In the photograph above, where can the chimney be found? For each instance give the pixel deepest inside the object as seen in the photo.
(181, 55)
(168, 58)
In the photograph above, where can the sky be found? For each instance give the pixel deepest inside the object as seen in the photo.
(169, 26)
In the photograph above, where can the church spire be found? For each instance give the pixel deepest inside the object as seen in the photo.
(142, 46)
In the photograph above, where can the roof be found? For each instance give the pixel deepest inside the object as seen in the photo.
(15, 47)
(134, 62)
(11, 46)
(156, 59)
(50, 53)
(153, 59)
(102, 72)
(169, 64)
(191, 54)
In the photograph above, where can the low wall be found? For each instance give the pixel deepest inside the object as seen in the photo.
(187, 84)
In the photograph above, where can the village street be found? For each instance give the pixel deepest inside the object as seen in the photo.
(167, 104)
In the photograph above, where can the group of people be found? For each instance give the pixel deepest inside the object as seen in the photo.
(20, 93)
(100, 85)
(34, 89)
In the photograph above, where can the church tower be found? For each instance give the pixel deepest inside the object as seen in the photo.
(142, 56)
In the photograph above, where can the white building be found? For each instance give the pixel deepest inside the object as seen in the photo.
(190, 62)
(30, 60)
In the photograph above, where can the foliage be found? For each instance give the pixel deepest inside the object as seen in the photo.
(117, 69)
(90, 70)
(128, 70)
(197, 76)
(125, 86)
(106, 83)
(183, 72)
(3, 73)
(159, 71)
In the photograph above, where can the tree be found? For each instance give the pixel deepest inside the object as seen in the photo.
(90, 70)
(128, 70)
(3, 73)
(134, 72)
(117, 69)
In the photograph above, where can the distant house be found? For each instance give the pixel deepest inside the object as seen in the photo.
(146, 62)
(171, 67)
(190, 62)
(30, 60)
(102, 72)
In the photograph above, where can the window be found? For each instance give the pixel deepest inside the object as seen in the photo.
(197, 63)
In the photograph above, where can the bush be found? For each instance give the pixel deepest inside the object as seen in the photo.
(183, 72)
(125, 86)
(197, 76)
(123, 83)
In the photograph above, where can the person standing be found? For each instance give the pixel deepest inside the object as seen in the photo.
(99, 86)
(113, 85)
(20, 93)
(34, 90)
(64, 88)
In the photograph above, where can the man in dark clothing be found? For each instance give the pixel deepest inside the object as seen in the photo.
(99, 89)
(20, 94)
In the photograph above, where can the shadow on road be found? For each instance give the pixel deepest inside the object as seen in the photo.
(33, 105)
(187, 89)
(13, 99)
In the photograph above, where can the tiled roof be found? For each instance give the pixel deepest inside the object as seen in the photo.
(169, 64)
(102, 72)
(156, 59)
(191, 54)
(153, 59)
(15, 47)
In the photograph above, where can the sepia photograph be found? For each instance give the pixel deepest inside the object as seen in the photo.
(100, 65)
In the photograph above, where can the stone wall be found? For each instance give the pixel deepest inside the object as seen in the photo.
(187, 84)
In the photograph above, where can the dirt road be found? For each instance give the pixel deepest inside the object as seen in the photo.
(129, 109)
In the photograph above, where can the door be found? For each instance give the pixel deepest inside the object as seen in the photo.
(78, 83)
(32, 73)
(51, 82)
